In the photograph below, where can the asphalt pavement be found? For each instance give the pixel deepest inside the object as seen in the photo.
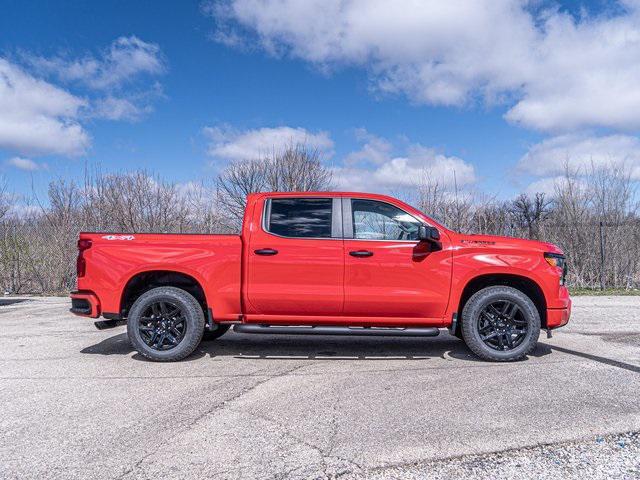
(80, 403)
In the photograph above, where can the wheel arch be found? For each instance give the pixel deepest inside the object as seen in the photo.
(146, 280)
(525, 284)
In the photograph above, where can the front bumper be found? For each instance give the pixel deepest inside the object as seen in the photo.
(85, 304)
(558, 317)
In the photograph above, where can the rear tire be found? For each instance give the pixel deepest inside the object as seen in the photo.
(165, 324)
(500, 324)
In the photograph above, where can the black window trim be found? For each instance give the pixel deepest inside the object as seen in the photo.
(336, 217)
(347, 220)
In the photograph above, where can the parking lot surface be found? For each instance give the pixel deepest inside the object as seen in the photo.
(80, 403)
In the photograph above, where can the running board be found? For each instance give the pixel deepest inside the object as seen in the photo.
(323, 330)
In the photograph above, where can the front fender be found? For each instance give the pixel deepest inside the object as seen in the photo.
(531, 266)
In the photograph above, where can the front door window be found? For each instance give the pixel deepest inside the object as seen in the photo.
(373, 220)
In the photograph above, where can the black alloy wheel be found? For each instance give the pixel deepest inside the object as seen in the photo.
(502, 325)
(165, 324)
(162, 325)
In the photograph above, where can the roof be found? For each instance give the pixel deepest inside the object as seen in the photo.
(323, 193)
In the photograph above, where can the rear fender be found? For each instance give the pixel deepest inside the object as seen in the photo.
(159, 268)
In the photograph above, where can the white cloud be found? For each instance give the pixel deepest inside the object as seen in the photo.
(125, 60)
(38, 117)
(375, 166)
(587, 74)
(24, 164)
(375, 149)
(557, 72)
(580, 152)
(380, 170)
(113, 108)
(547, 186)
(230, 144)
(22, 210)
(117, 78)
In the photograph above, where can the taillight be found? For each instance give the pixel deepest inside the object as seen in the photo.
(84, 244)
(81, 264)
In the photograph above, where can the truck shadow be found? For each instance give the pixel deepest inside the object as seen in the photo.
(316, 347)
(280, 347)
(11, 301)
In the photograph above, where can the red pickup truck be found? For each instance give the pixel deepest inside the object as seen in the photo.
(323, 263)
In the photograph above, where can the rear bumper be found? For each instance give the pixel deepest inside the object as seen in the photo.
(558, 317)
(85, 304)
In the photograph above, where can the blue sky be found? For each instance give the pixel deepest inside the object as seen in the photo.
(497, 91)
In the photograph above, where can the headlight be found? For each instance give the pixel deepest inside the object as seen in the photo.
(558, 261)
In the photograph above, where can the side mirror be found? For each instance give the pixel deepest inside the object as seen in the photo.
(428, 234)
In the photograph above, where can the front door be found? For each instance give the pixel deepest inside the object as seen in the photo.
(296, 259)
(388, 272)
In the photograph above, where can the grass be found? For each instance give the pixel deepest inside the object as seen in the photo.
(576, 292)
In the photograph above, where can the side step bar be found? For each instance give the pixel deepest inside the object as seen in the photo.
(323, 330)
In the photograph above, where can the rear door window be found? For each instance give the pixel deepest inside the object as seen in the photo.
(299, 217)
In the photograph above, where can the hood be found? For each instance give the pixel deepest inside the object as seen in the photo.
(497, 241)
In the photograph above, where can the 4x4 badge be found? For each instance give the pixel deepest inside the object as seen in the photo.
(118, 237)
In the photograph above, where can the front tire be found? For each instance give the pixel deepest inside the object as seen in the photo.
(500, 324)
(165, 324)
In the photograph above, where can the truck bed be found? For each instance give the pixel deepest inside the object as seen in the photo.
(114, 259)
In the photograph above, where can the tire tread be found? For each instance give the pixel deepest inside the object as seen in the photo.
(195, 326)
(476, 345)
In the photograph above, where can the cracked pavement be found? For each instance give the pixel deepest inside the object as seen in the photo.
(80, 403)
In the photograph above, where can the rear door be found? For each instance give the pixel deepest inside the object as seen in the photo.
(296, 258)
(388, 272)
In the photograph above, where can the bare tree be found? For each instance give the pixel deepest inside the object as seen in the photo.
(204, 211)
(531, 212)
(592, 210)
(137, 202)
(296, 168)
(614, 205)
(5, 203)
(238, 180)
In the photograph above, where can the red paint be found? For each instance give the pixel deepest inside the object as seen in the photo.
(317, 281)
(304, 278)
(401, 279)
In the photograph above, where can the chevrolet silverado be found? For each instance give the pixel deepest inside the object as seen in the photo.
(323, 263)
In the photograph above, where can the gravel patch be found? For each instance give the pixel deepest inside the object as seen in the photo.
(608, 457)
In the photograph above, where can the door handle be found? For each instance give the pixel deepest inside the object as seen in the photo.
(361, 253)
(266, 251)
